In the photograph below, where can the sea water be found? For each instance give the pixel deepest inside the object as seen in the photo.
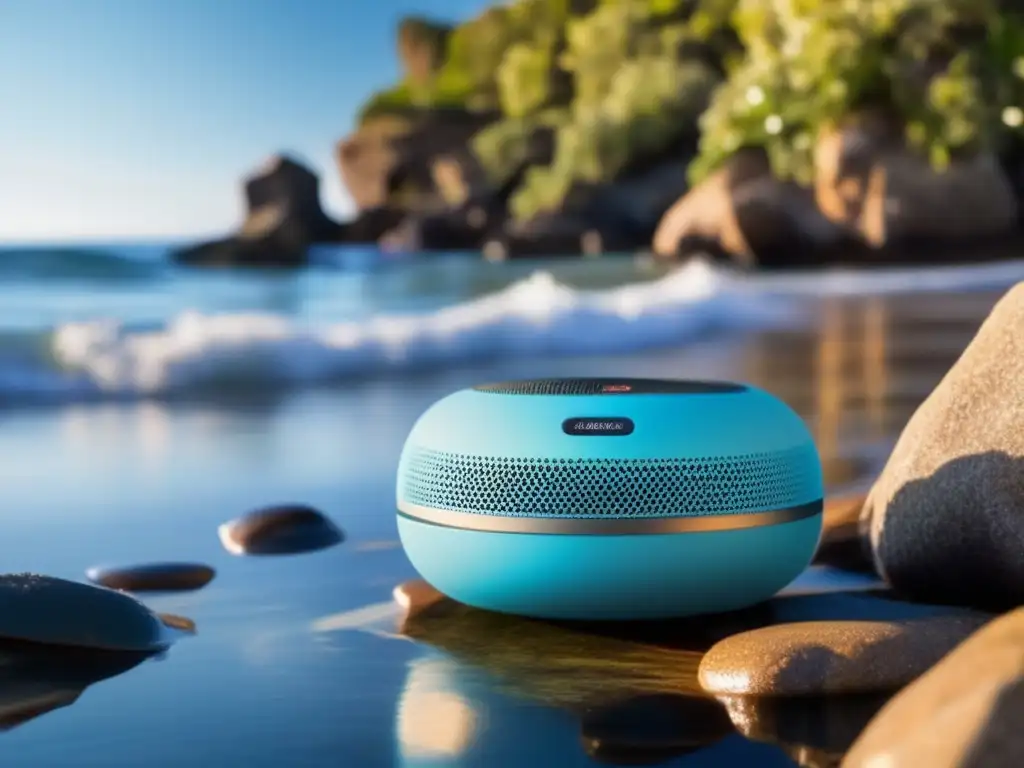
(141, 405)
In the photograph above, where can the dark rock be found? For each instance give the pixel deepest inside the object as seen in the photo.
(557, 235)
(153, 577)
(52, 611)
(646, 730)
(457, 230)
(818, 657)
(743, 214)
(369, 226)
(945, 516)
(36, 680)
(283, 219)
(963, 713)
(280, 530)
(636, 203)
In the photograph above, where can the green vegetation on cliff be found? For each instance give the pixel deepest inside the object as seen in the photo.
(621, 82)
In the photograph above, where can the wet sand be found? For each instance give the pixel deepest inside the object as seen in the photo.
(303, 660)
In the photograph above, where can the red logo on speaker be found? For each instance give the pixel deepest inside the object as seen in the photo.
(616, 388)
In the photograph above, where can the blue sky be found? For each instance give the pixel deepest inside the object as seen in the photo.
(138, 118)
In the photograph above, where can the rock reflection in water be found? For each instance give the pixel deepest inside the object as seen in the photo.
(596, 670)
(36, 679)
(815, 731)
(651, 729)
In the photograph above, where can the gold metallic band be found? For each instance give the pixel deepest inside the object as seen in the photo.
(614, 526)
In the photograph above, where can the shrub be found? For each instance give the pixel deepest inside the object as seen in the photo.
(943, 68)
(394, 100)
(525, 79)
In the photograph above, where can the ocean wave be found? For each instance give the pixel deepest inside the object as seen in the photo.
(537, 316)
(59, 263)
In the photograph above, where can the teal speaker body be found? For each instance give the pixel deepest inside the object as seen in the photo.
(610, 498)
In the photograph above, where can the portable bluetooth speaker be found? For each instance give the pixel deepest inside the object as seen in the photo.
(609, 499)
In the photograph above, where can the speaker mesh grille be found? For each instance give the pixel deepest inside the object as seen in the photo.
(587, 488)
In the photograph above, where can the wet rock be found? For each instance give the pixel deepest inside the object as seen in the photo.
(821, 727)
(646, 730)
(44, 609)
(743, 214)
(283, 219)
(945, 518)
(813, 658)
(153, 577)
(36, 680)
(965, 712)
(279, 530)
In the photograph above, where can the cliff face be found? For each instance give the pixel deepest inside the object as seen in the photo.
(552, 119)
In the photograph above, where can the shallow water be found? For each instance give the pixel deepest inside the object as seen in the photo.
(280, 671)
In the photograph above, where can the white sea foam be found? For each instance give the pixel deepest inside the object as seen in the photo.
(537, 316)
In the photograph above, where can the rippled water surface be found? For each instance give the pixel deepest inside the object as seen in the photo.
(303, 660)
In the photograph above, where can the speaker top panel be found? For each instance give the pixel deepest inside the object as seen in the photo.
(610, 386)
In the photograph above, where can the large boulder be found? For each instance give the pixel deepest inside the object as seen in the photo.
(945, 518)
(963, 713)
(744, 214)
(389, 160)
(870, 182)
(283, 218)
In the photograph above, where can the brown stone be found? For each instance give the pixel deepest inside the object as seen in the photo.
(415, 596)
(741, 211)
(828, 657)
(964, 713)
(280, 530)
(869, 181)
(946, 516)
(153, 577)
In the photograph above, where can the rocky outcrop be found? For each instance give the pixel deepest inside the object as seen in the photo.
(389, 161)
(283, 218)
(963, 713)
(946, 516)
(421, 47)
(869, 182)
